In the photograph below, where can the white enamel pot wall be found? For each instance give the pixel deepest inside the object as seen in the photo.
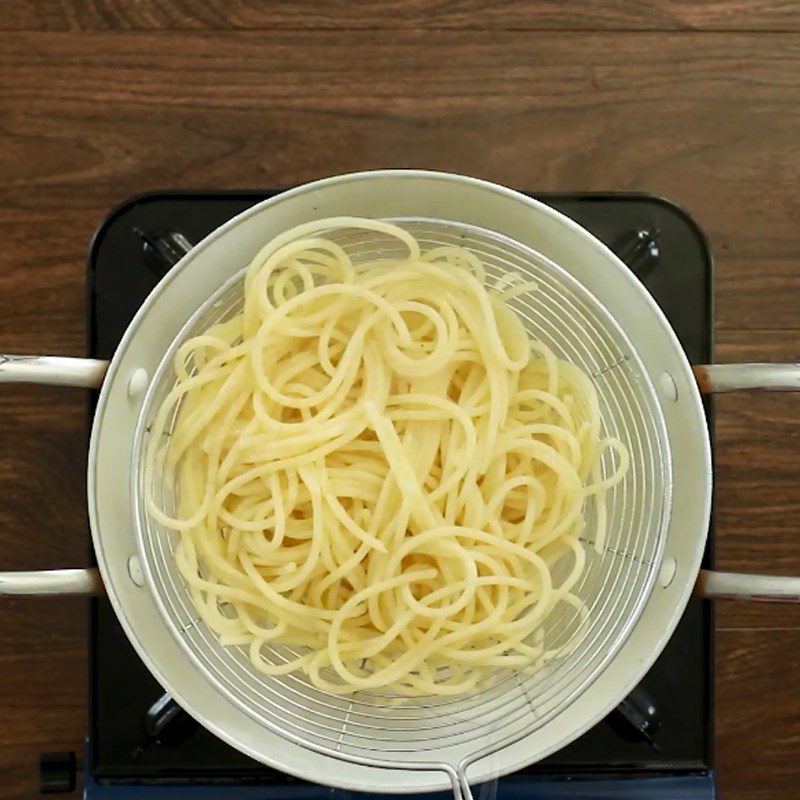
(393, 194)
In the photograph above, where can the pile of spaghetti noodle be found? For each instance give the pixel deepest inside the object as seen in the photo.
(377, 469)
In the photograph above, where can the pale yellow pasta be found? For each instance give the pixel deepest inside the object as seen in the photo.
(376, 467)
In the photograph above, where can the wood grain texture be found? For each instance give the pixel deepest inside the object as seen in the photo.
(758, 727)
(707, 120)
(81, 15)
(100, 111)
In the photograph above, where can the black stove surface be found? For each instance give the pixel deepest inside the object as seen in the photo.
(666, 727)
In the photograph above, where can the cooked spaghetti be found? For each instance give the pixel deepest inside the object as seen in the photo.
(377, 470)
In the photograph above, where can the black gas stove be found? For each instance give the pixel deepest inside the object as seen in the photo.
(657, 744)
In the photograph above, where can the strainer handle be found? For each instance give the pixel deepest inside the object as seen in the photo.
(85, 373)
(459, 781)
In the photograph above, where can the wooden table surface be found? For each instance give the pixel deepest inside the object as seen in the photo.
(698, 101)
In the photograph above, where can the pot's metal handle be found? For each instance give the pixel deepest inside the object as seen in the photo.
(47, 582)
(714, 379)
(86, 373)
(738, 586)
(717, 378)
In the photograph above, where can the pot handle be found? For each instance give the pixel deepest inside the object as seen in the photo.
(718, 378)
(47, 582)
(715, 379)
(740, 586)
(86, 373)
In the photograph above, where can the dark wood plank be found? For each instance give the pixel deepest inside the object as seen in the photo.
(750, 292)
(37, 430)
(43, 693)
(409, 14)
(44, 669)
(758, 727)
(705, 119)
(42, 279)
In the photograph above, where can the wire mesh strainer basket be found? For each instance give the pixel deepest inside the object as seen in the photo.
(450, 733)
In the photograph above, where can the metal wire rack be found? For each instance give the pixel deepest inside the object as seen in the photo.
(449, 733)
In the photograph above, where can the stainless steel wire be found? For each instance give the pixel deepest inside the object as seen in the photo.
(371, 727)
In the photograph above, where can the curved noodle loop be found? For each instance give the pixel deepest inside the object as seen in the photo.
(376, 467)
